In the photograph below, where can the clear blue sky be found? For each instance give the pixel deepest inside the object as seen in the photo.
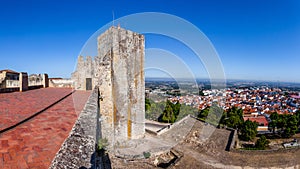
(255, 39)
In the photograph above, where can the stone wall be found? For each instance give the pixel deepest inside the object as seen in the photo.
(35, 80)
(232, 139)
(66, 83)
(79, 149)
(12, 83)
(38, 80)
(120, 67)
(85, 69)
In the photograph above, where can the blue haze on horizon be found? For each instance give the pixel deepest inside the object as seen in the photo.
(255, 40)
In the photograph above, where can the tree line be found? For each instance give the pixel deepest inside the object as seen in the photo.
(285, 125)
(167, 111)
(232, 118)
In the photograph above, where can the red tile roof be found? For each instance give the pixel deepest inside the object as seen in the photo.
(261, 120)
(9, 71)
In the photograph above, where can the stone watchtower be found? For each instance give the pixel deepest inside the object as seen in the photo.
(120, 70)
(84, 76)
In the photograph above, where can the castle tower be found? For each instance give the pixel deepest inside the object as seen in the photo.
(84, 76)
(120, 66)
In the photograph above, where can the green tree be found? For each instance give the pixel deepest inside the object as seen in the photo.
(147, 104)
(240, 113)
(248, 130)
(291, 126)
(298, 116)
(233, 121)
(203, 113)
(186, 110)
(211, 114)
(201, 93)
(176, 108)
(282, 121)
(168, 114)
(153, 110)
(287, 123)
(233, 118)
(274, 117)
(262, 143)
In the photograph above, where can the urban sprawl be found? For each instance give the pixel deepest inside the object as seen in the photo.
(257, 103)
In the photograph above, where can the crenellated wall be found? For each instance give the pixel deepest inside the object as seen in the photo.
(11, 82)
(38, 80)
(59, 82)
(85, 69)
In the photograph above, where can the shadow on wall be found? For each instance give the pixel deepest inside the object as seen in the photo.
(99, 160)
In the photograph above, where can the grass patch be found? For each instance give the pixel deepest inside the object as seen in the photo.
(147, 154)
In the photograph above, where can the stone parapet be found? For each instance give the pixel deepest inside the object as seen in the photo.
(79, 149)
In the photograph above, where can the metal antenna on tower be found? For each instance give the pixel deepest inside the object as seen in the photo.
(113, 16)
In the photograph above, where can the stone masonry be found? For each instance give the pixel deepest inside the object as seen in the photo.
(85, 69)
(121, 84)
(118, 70)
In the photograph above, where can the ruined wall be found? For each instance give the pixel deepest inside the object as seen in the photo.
(121, 84)
(11, 84)
(9, 80)
(23, 81)
(38, 80)
(85, 69)
(65, 83)
(45, 80)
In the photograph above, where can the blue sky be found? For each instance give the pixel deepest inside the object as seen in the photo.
(254, 39)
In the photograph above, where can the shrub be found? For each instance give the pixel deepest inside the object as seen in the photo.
(262, 143)
(147, 154)
(102, 144)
